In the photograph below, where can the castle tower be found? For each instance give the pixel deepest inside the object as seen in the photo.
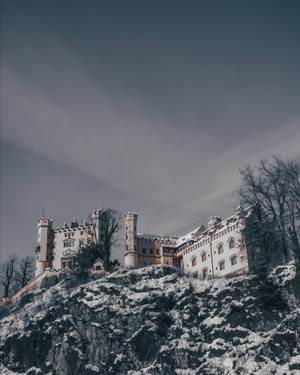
(43, 248)
(96, 220)
(130, 223)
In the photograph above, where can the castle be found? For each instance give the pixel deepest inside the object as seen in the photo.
(57, 248)
(216, 251)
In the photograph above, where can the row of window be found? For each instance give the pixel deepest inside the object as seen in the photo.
(150, 251)
(233, 261)
(205, 271)
(71, 241)
(72, 233)
(231, 244)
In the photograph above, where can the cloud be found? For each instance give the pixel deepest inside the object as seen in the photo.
(151, 117)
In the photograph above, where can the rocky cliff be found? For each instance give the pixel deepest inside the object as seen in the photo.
(156, 321)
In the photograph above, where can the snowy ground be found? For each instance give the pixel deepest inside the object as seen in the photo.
(156, 320)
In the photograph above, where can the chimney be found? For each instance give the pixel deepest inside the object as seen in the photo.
(213, 221)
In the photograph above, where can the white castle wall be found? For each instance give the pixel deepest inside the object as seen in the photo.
(80, 237)
(209, 247)
(52, 242)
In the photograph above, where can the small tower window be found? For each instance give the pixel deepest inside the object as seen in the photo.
(204, 273)
(194, 261)
(234, 260)
(220, 248)
(231, 243)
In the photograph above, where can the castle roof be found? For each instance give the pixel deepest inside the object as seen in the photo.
(187, 237)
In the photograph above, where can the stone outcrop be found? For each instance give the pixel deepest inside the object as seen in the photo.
(156, 321)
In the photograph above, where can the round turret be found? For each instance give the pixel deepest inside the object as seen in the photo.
(130, 224)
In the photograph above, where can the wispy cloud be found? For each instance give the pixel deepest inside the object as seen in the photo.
(158, 119)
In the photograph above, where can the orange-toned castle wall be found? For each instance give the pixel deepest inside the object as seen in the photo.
(148, 252)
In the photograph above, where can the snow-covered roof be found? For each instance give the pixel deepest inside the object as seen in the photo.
(187, 237)
(157, 237)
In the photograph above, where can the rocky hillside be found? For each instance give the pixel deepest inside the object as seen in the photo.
(155, 321)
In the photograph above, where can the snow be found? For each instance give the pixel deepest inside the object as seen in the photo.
(119, 308)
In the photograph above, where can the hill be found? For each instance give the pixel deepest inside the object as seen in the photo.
(157, 321)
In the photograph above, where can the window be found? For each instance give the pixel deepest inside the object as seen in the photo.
(69, 242)
(231, 243)
(222, 265)
(157, 252)
(150, 251)
(204, 273)
(144, 251)
(194, 261)
(233, 260)
(203, 257)
(220, 248)
(80, 242)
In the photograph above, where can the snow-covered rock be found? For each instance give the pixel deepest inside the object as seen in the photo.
(155, 320)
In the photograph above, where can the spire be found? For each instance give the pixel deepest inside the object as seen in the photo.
(43, 211)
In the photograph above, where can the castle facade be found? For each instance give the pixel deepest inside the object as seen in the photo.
(56, 249)
(218, 250)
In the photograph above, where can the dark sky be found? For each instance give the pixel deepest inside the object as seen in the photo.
(145, 106)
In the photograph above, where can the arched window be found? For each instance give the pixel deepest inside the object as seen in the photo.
(233, 260)
(204, 273)
(203, 257)
(231, 243)
(220, 248)
(194, 261)
(222, 265)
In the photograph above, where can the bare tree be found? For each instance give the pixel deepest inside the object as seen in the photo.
(26, 268)
(272, 190)
(7, 275)
(103, 238)
(16, 273)
(109, 226)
